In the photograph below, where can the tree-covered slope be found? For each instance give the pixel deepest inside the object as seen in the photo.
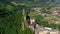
(11, 19)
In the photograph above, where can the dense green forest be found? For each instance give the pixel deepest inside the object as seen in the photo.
(11, 19)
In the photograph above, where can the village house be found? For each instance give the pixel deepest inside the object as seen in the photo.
(46, 30)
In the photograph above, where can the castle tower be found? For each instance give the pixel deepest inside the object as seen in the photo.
(24, 15)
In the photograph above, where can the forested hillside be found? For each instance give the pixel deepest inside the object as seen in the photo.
(11, 19)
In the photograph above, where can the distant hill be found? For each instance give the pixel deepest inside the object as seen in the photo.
(26, 0)
(57, 0)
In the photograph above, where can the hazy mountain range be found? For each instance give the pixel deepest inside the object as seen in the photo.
(40, 1)
(27, 0)
(57, 0)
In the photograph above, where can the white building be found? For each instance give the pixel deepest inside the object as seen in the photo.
(46, 31)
